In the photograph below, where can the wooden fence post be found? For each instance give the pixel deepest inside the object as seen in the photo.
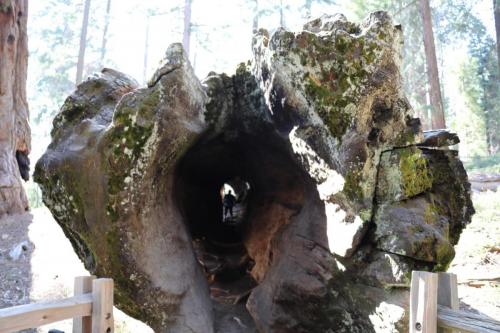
(423, 302)
(83, 285)
(102, 306)
(447, 294)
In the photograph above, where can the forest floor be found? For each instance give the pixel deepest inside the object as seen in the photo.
(44, 264)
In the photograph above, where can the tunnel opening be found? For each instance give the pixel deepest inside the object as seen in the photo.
(268, 187)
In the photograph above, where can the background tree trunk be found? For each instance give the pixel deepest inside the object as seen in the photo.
(146, 51)
(83, 42)
(105, 33)
(14, 127)
(186, 39)
(437, 114)
(282, 15)
(255, 23)
(496, 10)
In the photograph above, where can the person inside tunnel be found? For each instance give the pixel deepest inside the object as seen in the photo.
(229, 201)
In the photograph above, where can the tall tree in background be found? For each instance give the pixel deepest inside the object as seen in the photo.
(186, 37)
(15, 141)
(105, 33)
(436, 100)
(83, 42)
(308, 6)
(146, 48)
(413, 66)
(484, 92)
(496, 11)
(255, 21)
(282, 15)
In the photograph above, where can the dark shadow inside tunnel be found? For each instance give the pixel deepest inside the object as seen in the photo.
(268, 186)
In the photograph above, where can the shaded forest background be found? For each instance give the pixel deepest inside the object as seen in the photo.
(450, 65)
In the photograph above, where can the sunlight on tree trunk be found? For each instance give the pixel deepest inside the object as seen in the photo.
(186, 38)
(496, 10)
(83, 42)
(14, 128)
(436, 100)
(255, 25)
(146, 50)
(105, 33)
(282, 16)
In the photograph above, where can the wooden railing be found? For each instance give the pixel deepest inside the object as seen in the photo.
(91, 308)
(434, 303)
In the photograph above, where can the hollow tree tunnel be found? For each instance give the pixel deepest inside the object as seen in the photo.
(258, 166)
(343, 203)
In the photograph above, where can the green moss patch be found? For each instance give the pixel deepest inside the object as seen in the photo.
(415, 174)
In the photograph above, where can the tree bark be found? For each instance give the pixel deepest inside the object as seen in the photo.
(105, 33)
(496, 10)
(83, 42)
(282, 15)
(146, 50)
(186, 39)
(436, 100)
(14, 126)
(255, 23)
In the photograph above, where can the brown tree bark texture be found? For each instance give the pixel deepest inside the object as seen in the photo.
(14, 127)
(437, 114)
(83, 42)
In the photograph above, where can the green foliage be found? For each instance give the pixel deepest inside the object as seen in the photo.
(486, 164)
(472, 124)
(480, 77)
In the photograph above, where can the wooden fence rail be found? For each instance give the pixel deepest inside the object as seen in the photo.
(91, 308)
(434, 303)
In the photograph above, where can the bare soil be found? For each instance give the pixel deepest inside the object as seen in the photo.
(45, 269)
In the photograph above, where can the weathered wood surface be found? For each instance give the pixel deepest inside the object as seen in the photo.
(102, 306)
(466, 322)
(447, 295)
(83, 285)
(423, 304)
(34, 315)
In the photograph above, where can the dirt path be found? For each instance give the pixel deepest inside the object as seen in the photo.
(477, 260)
(43, 266)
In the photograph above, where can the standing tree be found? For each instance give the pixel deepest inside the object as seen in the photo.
(83, 42)
(413, 66)
(255, 22)
(437, 113)
(15, 142)
(186, 37)
(496, 10)
(146, 47)
(282, 15)
(105, 33)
